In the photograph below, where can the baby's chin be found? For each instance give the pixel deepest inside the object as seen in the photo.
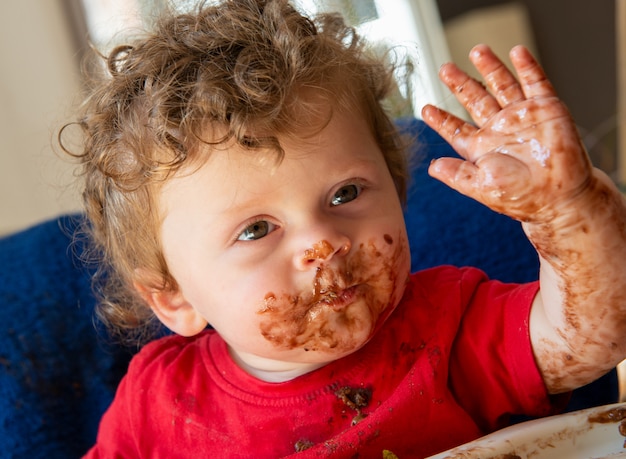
(340, 342)
(274, 364)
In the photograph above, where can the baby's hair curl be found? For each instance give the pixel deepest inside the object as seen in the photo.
(233, 72)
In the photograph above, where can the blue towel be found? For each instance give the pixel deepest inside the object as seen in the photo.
(57, 371)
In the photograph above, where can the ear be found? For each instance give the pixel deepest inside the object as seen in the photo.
(172, 309)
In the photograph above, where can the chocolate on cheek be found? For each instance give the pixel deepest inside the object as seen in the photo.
(307, 321)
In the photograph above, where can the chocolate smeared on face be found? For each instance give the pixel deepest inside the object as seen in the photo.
(320, 251)
(348, 298)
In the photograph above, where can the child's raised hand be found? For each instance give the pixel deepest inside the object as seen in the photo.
(525, 154)
(525, 159)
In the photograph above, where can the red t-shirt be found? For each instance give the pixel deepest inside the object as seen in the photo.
(451, 363)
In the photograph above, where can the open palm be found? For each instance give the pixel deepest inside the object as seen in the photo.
(524, 155)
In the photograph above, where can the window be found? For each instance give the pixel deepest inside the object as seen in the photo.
(412, 28)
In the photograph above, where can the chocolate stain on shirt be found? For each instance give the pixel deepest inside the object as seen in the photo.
(356, 399)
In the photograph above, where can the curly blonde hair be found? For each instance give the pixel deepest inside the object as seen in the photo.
(237, 65)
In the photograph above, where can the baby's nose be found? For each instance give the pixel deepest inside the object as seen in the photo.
(320, 252)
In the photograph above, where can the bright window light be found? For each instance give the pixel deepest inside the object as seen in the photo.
(411, 27)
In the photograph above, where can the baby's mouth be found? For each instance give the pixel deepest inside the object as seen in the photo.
(336, 300)
(334, 289)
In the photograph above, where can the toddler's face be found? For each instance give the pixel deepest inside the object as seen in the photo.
(297, 262)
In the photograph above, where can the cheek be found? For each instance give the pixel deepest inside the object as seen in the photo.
(345, 304)
(227, 299)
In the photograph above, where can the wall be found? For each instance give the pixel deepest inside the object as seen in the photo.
(38, 83)
(575, 41)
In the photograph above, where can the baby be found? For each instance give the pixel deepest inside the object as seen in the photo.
(241, 172)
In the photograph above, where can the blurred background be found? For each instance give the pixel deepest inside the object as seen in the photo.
(42, 44)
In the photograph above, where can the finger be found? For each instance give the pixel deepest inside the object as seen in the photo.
(498, 78)
(458, 174)
(470, 93)
(497, 181)
(453, 129)
(533, 79)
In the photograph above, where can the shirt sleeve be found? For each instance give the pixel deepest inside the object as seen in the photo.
(115, 434)
(493, 372)
(123, 427)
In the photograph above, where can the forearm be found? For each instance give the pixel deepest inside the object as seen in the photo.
(578, 325)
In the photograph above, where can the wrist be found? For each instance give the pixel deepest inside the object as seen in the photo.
(561, 231)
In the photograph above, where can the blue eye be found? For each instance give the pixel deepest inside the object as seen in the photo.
(345, 194)
(257, 230)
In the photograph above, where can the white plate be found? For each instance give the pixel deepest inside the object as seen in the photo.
(587, 434)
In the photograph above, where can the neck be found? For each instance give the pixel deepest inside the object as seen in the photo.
(272, 370)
